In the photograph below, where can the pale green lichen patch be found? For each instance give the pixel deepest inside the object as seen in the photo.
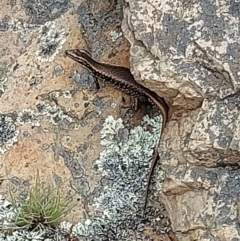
(126, 163)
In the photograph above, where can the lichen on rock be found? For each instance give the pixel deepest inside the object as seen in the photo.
(8, 132)
(51, 41)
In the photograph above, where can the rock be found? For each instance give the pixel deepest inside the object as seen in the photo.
(188, 52)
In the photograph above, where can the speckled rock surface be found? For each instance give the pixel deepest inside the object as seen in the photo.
(190, 51)
(52, 121)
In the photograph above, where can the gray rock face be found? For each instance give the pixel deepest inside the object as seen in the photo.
(188, 52)
(53, 123)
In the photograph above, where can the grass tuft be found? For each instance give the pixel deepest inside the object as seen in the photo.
(44, 207)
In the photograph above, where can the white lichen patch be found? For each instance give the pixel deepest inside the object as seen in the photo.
(22, 27)
(8, 133)
(115, 36)
(54, 112)
(3, 83)
(28, 116)
(79, 229)
(24, 235)
(6, 211)
(51, 41)
(67, 94)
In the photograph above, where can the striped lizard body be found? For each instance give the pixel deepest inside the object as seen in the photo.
(121, 78)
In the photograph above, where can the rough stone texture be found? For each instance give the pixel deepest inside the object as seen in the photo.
(188, 52)
(51, 121)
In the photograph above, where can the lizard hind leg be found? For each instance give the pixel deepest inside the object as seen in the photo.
(97, 84)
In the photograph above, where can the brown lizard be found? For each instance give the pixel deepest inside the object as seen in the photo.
(121, 78)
